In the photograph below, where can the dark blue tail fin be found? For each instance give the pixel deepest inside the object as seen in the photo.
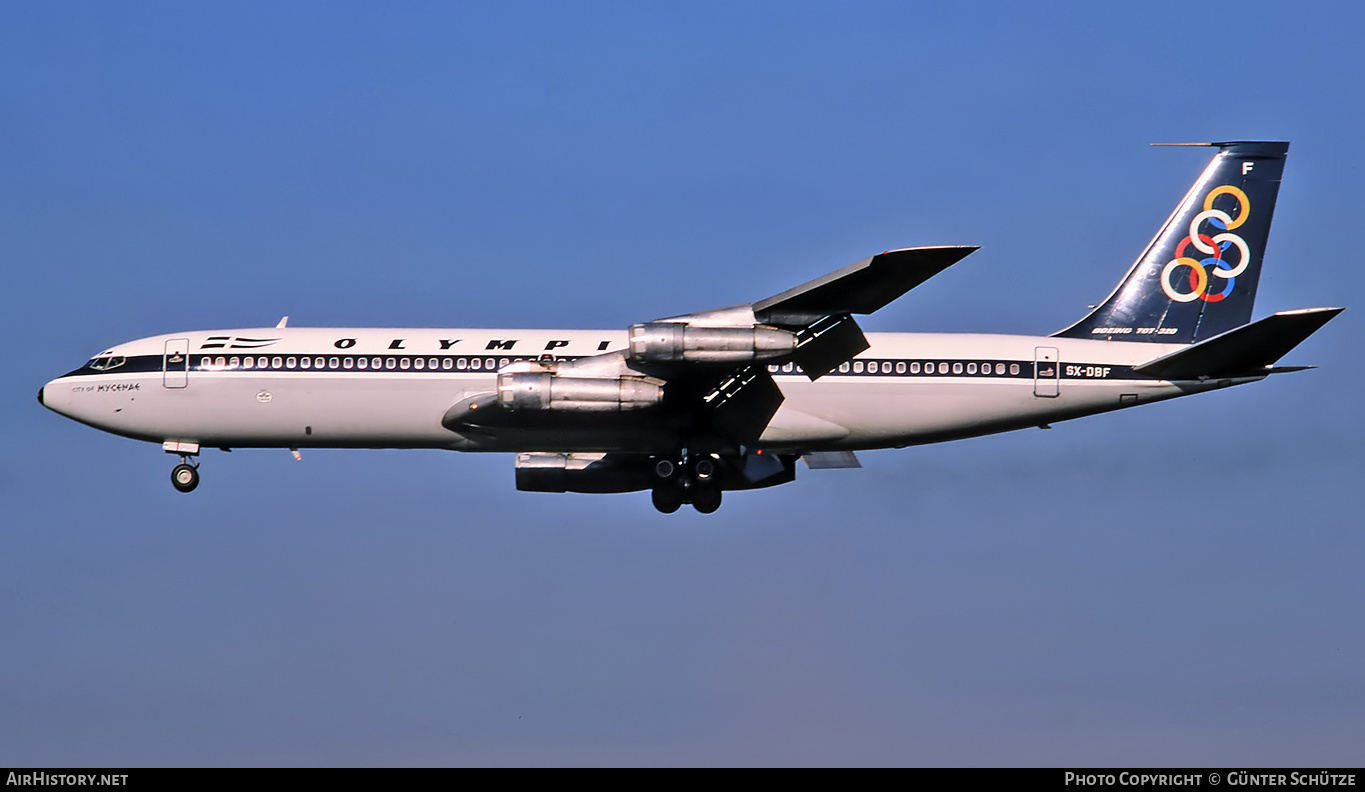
(1198, 277)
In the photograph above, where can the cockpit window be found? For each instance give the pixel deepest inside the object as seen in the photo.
(106, 362)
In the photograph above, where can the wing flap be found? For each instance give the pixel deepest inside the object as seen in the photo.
(743, 404)
(827, 344)
(831, 460)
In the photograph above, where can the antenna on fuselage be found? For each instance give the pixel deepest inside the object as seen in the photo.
(283, 322)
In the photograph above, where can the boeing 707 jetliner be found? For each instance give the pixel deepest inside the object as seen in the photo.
(690, 406)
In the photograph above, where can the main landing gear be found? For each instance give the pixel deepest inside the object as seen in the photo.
(691, 481)
(185, 477)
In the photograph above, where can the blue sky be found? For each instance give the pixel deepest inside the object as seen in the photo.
(1173, 585)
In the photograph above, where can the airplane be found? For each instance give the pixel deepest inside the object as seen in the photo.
(691, 406)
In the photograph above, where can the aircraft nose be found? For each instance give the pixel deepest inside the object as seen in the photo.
(55, 395)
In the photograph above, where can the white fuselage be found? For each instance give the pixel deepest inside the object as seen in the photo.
(389, 388)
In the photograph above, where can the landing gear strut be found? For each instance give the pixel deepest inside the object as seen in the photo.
(691, 481)
(185, 477)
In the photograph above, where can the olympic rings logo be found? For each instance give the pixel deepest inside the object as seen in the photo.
(1200, 284)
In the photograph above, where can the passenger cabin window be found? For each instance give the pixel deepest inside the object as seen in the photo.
(306, 363)
(999, 368)
(900, 367)
(1014, 368)
(843, 368)
(390, 363)
(333, 363)
(445, 363)
(857, 367)
(419, 364)
(914, 368)
(461, 364)
(971, 368)
(404, 364)
(362, 363)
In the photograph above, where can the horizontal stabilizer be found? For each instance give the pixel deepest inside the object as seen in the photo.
(859, 288)
(1249, 349)
(829, 460)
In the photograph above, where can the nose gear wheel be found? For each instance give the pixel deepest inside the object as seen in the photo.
(185, 477)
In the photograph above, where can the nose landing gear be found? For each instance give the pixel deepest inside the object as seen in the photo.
(690, 481)
(185, 477)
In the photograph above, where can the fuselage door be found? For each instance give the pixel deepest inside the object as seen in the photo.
(1045, 371)
(175, 365)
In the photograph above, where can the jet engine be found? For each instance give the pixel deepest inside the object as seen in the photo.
(583, 473)
(675, 342)
(544, 391)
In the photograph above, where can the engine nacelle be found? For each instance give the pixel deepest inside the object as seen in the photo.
(675, 342)
(583, 473)
(544, 391)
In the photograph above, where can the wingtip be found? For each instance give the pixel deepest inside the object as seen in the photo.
(1332, 312)
(932, 247)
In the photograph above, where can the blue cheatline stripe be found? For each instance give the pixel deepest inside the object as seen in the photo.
(895, 368)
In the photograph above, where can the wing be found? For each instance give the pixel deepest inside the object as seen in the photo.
(709, 371)
(860, 288)
(819, 313)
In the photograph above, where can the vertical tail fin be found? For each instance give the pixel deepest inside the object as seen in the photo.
(1198, 277)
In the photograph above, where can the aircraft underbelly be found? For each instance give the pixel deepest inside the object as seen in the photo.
(881, 413)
